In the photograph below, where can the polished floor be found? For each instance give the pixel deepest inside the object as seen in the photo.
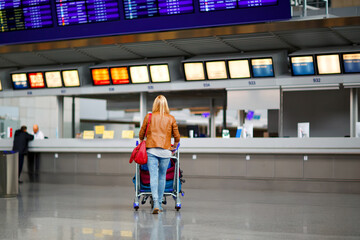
(63, 212)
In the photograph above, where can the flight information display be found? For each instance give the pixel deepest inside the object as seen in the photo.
(102, 10)
(26, 14)
(140, 9)
(214, 5)
(54, 20)
(256, 3)
(171, 7)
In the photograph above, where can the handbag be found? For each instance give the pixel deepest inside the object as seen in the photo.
(139, 154)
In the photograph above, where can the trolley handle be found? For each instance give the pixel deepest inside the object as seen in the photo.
(177, 147)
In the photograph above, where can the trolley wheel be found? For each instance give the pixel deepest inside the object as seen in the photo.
(136, 206)
(177, 206)
(151, 202)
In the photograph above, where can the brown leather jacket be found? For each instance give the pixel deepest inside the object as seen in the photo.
(160, 131)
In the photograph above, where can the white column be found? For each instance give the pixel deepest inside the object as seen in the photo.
(143, 106)
(60, 128)
(353, 111)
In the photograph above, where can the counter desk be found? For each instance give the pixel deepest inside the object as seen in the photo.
(308, 164)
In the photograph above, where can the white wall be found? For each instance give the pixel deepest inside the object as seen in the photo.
(327, 111)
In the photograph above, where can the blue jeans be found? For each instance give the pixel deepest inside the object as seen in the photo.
(157, 169)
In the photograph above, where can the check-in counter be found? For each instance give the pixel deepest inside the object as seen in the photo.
(308, 164)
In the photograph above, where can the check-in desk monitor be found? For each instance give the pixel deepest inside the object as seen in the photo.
(159, 73)
(119, 75)
(139, 74)
(328, 64)
(71, 78)
(194, 71)
(216, 70)
(19, 80)
(302, 65)
(53, 79)
(351, 62)
(36, 80)
(100, 76)
(239, 69)
(262, 67)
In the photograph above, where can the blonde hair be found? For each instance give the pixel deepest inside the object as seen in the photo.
(160, 105)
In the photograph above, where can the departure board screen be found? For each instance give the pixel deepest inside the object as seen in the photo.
(170, 7)
(36, 80)
(102, 10)
(140, 9)
(20, 81)
(59, 20)
(302, 65)
(262, 67)
(256, 3)
(26, 14)
(119, 75)
(351, 62)
(215, 5)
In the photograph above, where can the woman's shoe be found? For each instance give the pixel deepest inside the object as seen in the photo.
(156, 208)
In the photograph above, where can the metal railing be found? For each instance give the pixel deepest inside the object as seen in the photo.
(312, 5)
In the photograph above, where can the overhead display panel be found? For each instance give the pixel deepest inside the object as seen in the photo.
(194, 71)
(71, 78)
(303, 65)
(36, 80)
(64, 19)
(139, 74)
(328, 64)
(351, 62)
(215, 5)
(262, 67)
(119, 75)
(216, 70)
(24, 14)
(160, 73)
(239, 69)
(172, 7)
(100, 76)
(19, 81)
(53, 79)
(0, 86)
(140, 9)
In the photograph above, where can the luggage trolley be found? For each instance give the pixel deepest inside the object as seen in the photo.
(175, 192)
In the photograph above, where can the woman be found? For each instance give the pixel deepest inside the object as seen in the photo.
(158, 144)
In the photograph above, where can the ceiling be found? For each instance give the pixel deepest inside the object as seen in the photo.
(290, 35)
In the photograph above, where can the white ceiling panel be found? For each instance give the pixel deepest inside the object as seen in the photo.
(312, 38)
(256, 42)
(154, 49)
(67, 56)
(110, 52)
(27, 59)
(351, 33)
(203, 45)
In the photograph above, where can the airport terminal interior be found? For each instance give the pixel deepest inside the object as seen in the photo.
(264, 93)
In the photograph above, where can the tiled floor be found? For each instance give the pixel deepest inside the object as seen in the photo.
(63, 212)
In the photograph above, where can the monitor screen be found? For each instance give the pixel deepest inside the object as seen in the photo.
(119, 75)
(262, 67)
(216, 70)
(139, 74)
(159, 73)
(303, 65)
(194, 71)
(19, 81)
(239, 68)
(53, 79)
(25, 14)
(328, 64)
(71, 78)
(36, 80)
(100, 76)
(351, 62)
(174, 7)
(73, 12)
(0, 86)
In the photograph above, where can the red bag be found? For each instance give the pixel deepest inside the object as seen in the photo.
(139, 154)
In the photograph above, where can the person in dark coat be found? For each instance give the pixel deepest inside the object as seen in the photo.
(21, 141)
